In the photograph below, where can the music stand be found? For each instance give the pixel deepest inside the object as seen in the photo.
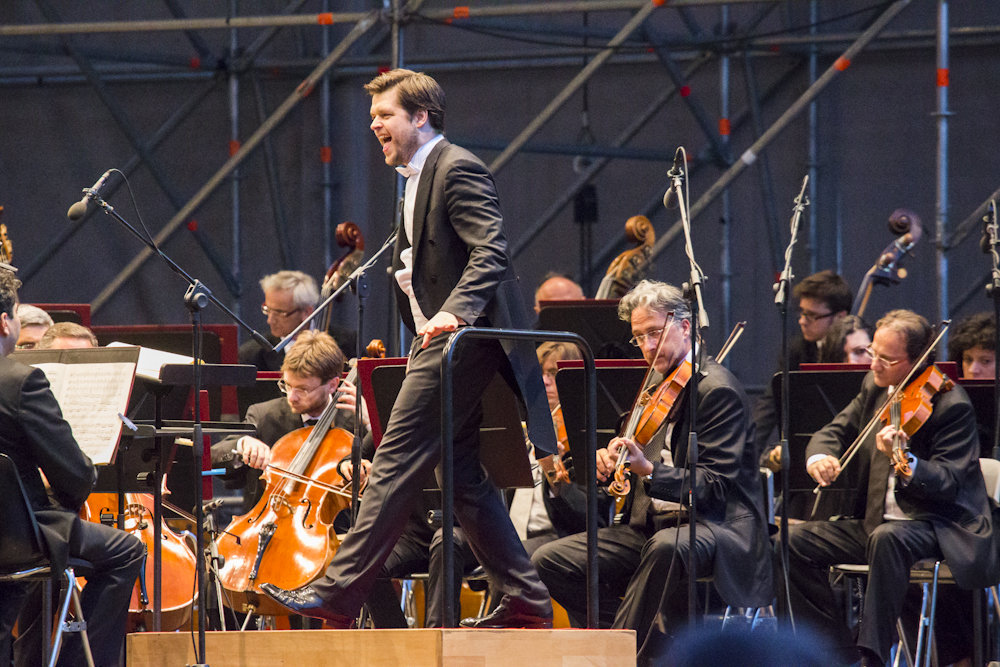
(502, 444)
(820, 392)
(983, 397)
(618, 382)
(595, 320)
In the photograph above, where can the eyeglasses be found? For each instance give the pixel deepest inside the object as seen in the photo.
(30, 345)
(878, 357)
(285, 389)
(267, 310)
(640, 339)
(810, 316)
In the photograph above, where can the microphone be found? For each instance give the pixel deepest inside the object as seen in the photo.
(77, 210)
(674, 173)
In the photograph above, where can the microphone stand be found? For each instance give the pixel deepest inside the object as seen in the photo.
(990, 243)
(196, 298)
(358, 281)
(781, 289)
(699, 319)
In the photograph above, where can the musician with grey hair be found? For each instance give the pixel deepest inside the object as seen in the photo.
(644, 560)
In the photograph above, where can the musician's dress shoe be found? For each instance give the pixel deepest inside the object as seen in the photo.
(513, 613)
(307, 602)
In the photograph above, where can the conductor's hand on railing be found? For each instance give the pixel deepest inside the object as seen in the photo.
(825, 470)
(347, 399)
(253, 452)
(439, 324)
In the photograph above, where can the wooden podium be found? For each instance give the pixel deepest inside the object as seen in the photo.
(388, 648)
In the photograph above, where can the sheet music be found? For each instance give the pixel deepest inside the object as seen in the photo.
(151, 360)
(91, 396)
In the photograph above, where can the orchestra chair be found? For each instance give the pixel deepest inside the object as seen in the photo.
(23, 558)
(753, 618)
(929, 573)
(476, 580)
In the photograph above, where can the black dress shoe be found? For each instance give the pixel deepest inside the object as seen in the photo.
(513, 613)
(307, 602)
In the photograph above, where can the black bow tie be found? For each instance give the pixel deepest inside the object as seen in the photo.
(310, 422)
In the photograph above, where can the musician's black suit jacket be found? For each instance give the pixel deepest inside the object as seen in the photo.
(35, 436)
(947, 486)
(728, 494)
(462, 266)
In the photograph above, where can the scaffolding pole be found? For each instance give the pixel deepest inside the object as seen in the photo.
(563, 96)
(181, 217)
(941, 207)
(750, 155)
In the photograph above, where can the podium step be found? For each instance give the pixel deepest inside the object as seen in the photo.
(388, 648)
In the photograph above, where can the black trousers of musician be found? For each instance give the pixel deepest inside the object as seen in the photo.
(643, 587)
(890, 550)
(117, 557)
(410, 450)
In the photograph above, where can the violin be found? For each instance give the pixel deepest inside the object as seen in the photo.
(910, 408)
(557, 468)
(630, 266)
(288, 538)
(913, 412)
(886, 270)
(658, 406)
(177, 561)
(348, 236)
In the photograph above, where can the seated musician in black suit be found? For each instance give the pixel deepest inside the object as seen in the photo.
(289, 298)
(310, 377)
(938, 507)
(35, 436)
(643, 585)
(824, 298)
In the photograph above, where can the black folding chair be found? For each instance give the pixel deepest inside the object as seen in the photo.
(23, 558)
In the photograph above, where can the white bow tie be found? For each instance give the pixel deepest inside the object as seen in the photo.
(406, 171)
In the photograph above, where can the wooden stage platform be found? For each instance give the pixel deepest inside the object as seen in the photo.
(388, 648)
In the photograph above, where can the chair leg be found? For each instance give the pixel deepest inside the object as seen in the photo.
(79, 625)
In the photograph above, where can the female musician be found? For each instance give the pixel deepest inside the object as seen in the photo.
(847, 342)
(972, 346)
(636, 555)
(939, 508)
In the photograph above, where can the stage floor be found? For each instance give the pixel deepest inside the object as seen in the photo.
(377, 648)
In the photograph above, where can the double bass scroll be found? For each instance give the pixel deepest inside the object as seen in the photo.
(631, 266)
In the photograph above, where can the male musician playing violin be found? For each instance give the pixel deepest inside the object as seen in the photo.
(939, 508)
(35, 436)
(646, 558)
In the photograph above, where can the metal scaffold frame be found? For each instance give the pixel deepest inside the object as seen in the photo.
(389, 22)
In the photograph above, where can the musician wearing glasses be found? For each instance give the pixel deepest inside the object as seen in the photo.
(936, 506)
(310, 376)
(289, 298)
(645, 559)
(824, 298)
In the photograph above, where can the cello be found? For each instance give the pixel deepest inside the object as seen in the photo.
(178, 591)
(288, 538)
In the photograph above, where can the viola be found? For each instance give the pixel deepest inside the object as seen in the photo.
(557, 467)
(177, 561)
(910, 408)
